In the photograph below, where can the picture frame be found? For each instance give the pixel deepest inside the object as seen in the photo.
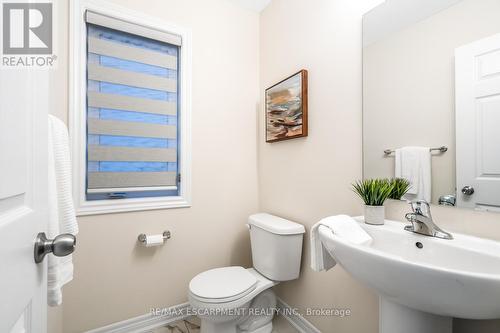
(286, 108)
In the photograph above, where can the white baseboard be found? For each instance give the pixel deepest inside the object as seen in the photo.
(147, 322)
(295, 319)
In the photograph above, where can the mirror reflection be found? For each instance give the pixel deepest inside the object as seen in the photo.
(431, 99)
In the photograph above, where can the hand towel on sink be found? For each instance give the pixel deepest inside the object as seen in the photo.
(341, 225)
(62, 217)
(414, 165)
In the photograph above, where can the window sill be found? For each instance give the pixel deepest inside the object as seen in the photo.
(99, 207)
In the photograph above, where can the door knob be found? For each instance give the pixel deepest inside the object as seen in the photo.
(468, 190)
(60, 246)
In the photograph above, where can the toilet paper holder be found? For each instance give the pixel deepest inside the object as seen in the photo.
(142, 237)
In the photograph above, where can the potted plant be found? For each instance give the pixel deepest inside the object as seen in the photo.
(400, 187)
(374, 192)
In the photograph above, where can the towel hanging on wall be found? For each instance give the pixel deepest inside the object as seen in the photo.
(414, 165)
(62, 217)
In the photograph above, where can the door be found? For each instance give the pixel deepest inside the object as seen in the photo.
(23, 198)
(477, 124)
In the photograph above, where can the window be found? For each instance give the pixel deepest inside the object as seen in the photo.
(134, 117)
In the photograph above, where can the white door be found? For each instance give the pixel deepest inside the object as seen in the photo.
(23, 198)
(478, 124)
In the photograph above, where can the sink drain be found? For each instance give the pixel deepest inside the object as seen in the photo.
(419, 245)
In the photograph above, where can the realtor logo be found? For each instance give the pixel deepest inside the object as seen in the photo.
(27, 34)
(27, 28)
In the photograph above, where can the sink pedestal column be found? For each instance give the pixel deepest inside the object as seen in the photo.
(396, 318)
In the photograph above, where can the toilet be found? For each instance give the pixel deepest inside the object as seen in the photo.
(234, 299)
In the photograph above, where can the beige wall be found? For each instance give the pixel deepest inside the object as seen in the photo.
(309, 178)
(115, 279)
(409, 97)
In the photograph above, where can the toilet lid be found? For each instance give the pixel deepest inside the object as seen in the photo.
(221, 284)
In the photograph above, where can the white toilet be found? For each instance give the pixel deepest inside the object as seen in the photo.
(235, 299)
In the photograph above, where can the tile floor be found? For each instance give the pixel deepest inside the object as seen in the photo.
(191, 325)
(281, 325)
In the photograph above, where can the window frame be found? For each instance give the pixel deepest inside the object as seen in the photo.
(78, 113)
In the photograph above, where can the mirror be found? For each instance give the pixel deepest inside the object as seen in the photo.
(431, 83)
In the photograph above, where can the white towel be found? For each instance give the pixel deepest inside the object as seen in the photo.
(414, 165)
(341, 225)
(62, 218)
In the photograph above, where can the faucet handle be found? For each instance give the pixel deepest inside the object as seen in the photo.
(421, 207)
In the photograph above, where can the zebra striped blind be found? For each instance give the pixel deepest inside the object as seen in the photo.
(132, 113)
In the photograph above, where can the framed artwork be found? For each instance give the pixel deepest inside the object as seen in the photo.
(286, 108)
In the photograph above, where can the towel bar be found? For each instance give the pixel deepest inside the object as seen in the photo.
(442, 149)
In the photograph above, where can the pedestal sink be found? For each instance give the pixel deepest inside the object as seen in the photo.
(422, 281)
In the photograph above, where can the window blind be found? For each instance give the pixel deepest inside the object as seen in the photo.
(131, 28)
(132, 96)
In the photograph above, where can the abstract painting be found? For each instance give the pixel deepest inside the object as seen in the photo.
(286, 108)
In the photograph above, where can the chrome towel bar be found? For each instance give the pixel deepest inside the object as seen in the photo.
(442, 149)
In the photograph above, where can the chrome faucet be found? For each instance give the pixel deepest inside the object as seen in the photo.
(422, 223)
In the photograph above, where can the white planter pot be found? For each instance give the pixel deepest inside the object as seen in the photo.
(374, 214)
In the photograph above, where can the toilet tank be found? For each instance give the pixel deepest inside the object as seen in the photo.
(276, 246)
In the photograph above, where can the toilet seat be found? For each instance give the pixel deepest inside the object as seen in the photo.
(225, 316)
(222, 285)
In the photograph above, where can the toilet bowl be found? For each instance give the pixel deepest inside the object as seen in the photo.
(245, 304)
(236, 300)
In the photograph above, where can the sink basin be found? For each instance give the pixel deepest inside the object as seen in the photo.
(425, 275)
